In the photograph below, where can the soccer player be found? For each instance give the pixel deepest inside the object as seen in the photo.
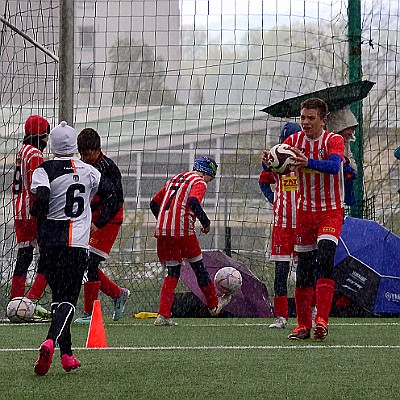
(319, 216)
(343, 122)
(397, 153)
(107, 216)
(28, 158)
(63, 189)
(284, 199)
(176, 207)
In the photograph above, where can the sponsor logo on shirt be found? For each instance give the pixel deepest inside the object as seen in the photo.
(329, 229)
(289, 183)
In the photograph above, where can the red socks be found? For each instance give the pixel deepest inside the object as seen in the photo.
(38, 287)
(210, 295)
(18, 286)
(167, 296)
(107, 286)
(281, 307)
(324, 291)
(303, 299)
(90, 294)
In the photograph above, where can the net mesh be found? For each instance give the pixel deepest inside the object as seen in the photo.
(165, 81)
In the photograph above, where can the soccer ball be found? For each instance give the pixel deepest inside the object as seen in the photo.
(280, 159)
(228, 280)
(20, 309)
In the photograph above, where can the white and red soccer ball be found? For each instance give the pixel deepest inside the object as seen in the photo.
(280, 159)
(20, 309)
(228, 280)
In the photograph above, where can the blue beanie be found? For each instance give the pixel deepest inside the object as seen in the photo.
(288, 129)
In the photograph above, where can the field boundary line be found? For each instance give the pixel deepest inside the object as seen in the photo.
(174, 348)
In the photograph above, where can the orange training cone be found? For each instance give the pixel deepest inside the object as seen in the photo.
(96, 335)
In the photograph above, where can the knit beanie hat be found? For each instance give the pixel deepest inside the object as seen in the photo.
(36, 125)
(63, 139)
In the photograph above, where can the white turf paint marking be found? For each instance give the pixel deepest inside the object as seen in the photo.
(181, 323)
(168, 348)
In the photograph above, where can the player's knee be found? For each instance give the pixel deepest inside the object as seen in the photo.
(282, 269)
(326, 258)
(93, 267)
(174, 271)
(24, 260)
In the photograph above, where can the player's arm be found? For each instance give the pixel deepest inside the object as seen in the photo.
(154, 207)
(200, 214)
(397, 153)
(155, 203)
(329, 166)
(195, 198)
(265, 185)
(349, 172)
(40, 187)
(111, 201)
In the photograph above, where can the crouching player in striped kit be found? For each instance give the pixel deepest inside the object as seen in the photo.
(176, 207)
(319, 217)
(63, 189)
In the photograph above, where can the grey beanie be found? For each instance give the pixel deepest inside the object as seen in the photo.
(63, 139)
(340, 120)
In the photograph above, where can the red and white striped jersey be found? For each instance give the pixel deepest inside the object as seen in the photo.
(175, 217)
(319, 191)
(285, 197)
(27, 160)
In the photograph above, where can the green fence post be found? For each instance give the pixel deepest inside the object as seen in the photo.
(355, 75)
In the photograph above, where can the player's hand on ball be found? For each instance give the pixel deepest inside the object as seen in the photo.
(300, 160)
(265, 157)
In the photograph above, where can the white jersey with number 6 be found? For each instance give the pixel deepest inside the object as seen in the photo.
(72, 185)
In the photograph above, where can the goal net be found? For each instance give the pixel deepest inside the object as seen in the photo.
(165, 81)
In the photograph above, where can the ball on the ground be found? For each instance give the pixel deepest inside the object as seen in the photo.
(20, 309)
(280, 159)
(228, 280)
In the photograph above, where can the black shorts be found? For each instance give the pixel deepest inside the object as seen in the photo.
(64, 268)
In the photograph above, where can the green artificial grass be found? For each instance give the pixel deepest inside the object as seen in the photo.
(222, 358)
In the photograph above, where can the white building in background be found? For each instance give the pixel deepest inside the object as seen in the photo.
(98, 26)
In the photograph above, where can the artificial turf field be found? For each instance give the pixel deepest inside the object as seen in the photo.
(212, 358)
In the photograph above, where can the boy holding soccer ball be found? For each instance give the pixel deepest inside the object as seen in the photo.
(176, 207)
(319, 216)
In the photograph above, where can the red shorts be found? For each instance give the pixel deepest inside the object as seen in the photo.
(172, 250)
(315, 226)
(282, 243)
(103, 239)
(26, 232)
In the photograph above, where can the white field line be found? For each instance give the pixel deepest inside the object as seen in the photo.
(174, 348)
(181, 323)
